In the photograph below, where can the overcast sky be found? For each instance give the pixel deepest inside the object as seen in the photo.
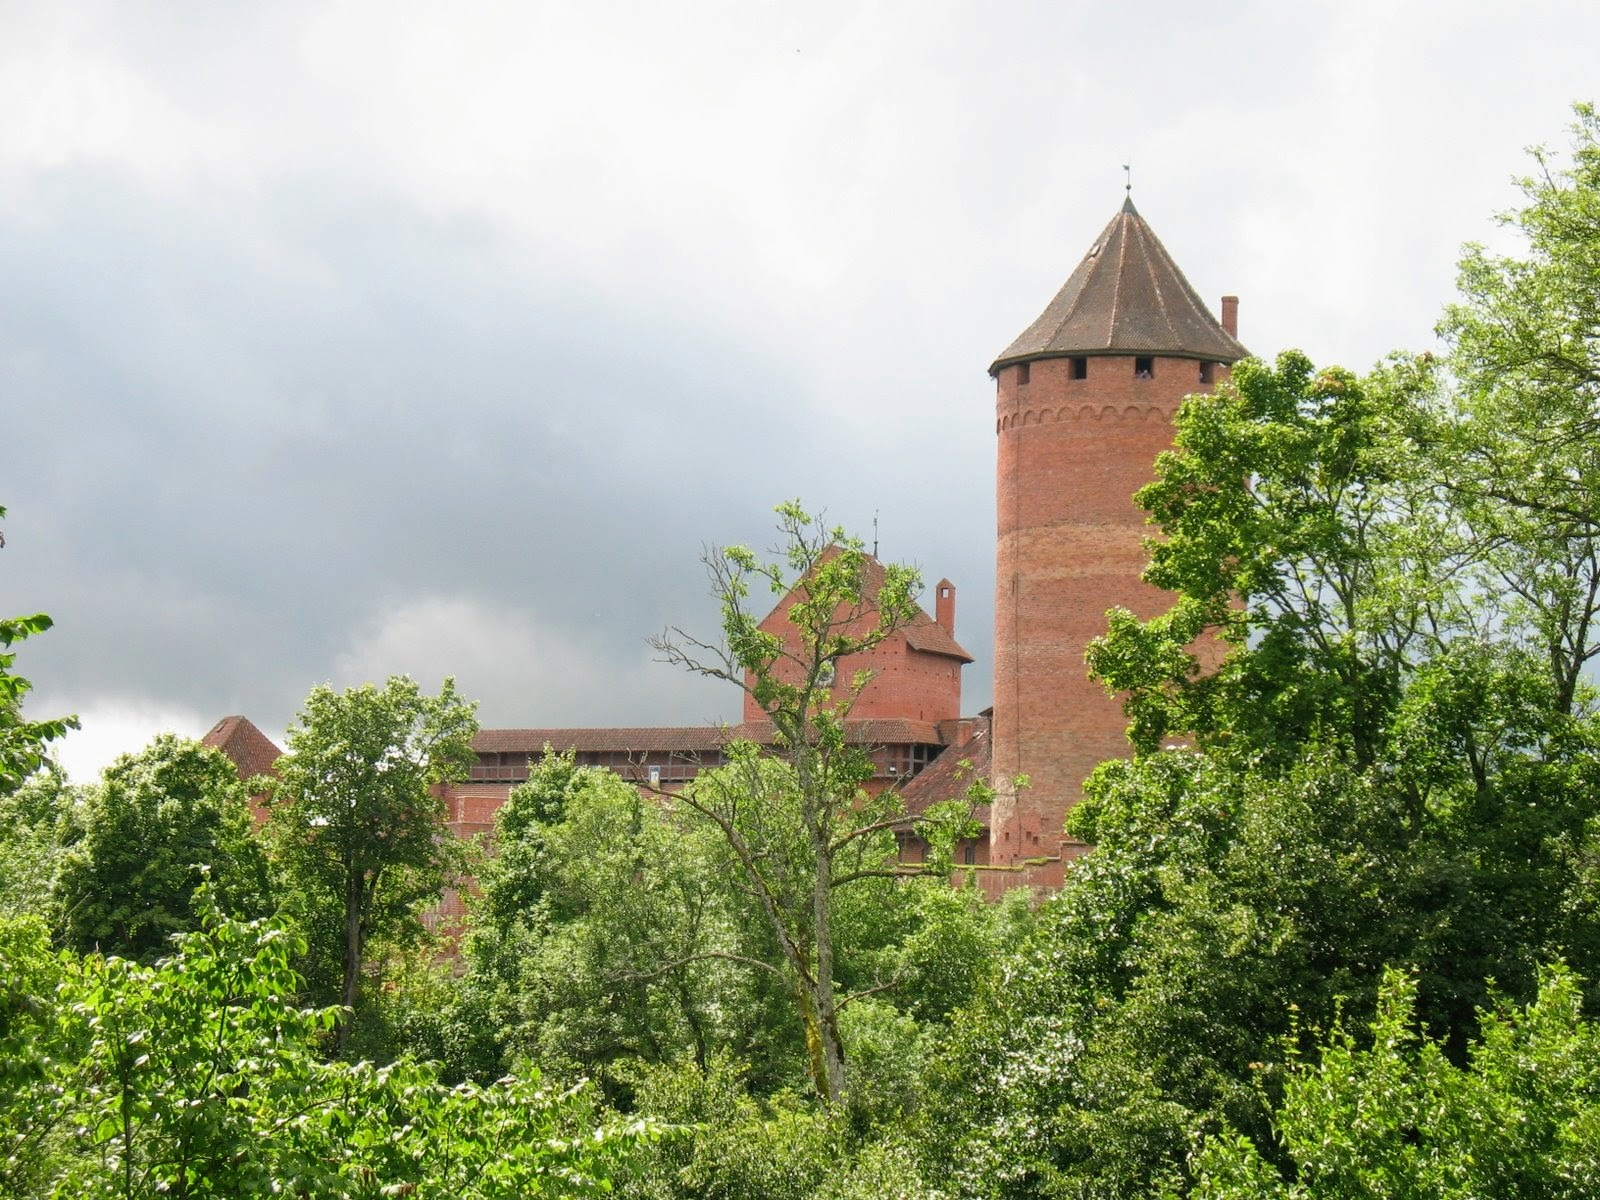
(344, 339)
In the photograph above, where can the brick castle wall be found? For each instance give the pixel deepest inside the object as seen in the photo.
(1072, 452)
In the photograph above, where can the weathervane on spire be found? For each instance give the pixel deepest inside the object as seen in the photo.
(1127, 170)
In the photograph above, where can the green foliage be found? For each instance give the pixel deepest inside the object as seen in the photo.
(1523, 336)
(34, 1038)
(140, 843)
(1526, 355)
(356, 827)
(31, 819)
(781, 1148)
(885, 1049)
(192, 1069)
(1394, 1116)
(22, 741)
(610, 932)
(884, 1170)
(946, 943)
(606, 929)
(794, 814)
(198, 1076)
(1301, 529)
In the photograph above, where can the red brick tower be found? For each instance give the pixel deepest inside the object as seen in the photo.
(1085, 403)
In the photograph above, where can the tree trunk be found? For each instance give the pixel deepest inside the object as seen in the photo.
(822, 1030)
(350, 988)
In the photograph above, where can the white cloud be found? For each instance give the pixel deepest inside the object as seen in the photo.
(111, 728)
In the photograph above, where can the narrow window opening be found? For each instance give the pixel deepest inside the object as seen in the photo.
(1022, 372)
(1208, 372)
(1080, 368)
(1144, 368)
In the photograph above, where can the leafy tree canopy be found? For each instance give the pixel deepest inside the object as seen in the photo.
(795, 815)
(356, 821)
(143, 840)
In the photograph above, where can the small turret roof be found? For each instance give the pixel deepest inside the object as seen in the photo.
(251, 751)
(1126, 297)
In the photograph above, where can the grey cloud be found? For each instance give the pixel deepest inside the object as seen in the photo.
(239, 437)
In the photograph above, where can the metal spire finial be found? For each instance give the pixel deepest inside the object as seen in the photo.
(1127, 169)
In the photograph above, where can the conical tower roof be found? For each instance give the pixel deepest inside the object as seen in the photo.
(1126, 297)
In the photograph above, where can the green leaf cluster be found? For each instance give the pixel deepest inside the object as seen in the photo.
(137, 846)
(356, 822)
(1390, 1113)
(606, 931)
(200, 1076)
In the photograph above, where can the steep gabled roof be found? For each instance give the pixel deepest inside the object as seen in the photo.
(920, 631)
(1126, 297)
(251, 751)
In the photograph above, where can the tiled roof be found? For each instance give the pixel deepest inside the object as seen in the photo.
(946, 778)
(922, 632)
(251, 751)
(658, 738)
(1126, 297)
(925, 634)
(691, 739)
(863, 731)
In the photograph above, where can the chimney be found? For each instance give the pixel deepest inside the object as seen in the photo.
(1230, 315)
(944, 606)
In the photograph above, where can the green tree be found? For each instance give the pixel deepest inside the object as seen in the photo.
(600, 927)
(35, 1040)
(1525, 351)
(741, 1146)
(1525, 343)
(143, 840)
(1381, 770)
(1303, 530)
(356, 823)
(198, 1076)
(793, 812)
(1391, 1115)
(31, 820)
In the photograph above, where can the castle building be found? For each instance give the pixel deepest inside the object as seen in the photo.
(1084, 401)
(908, 714)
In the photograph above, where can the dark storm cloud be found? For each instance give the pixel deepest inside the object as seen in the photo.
(237, 435)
